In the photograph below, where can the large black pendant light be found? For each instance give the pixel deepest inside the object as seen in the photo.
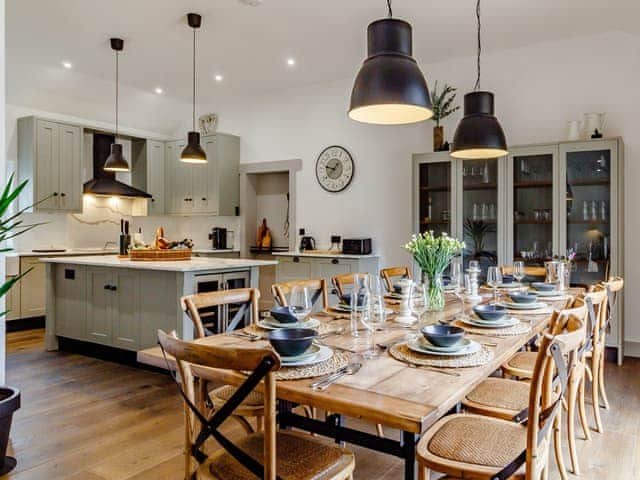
(115, 161)
(479, 134)
(390, 88)
(193, 152)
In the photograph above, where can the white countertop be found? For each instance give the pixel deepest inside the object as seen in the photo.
(216, 250)
(67, 252)
(196, 264)
(322, 255)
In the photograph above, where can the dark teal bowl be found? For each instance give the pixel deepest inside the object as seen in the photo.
(508, 279)
(290, 342)
(283, 315)
(442, 335)
(491, 313)
(346, 299)
(524, 297)
(544, 287)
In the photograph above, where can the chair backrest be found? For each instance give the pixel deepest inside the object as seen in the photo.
(199, 425)
(596, 301)
(529, 271)
(245, 298)
(317, 288)
(340, 282)
(548, 383)
(613, 286)
(388, 274)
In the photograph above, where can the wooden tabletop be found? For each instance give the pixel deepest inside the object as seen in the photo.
(385, 390)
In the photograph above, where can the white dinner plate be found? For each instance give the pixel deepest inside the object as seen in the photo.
(325, 353)
(311, 352)
(524, 306)
(271, 324)
(427, 345)
(553, 293)
(418, 345)
(478, 322)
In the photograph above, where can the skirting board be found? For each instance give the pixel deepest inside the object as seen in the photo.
(632, 349)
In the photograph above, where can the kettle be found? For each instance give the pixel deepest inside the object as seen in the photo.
(307, 243)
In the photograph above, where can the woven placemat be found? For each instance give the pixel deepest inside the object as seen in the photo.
(401, 352)
(322, 329)
(331, 365)
(517, 329)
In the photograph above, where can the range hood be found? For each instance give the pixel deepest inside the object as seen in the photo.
(105, 183)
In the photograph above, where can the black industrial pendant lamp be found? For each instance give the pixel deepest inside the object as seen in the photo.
(479, 134)
(193, 152)
(115, 161)
(390, 88)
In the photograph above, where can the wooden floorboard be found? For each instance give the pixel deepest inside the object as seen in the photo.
(87, 419)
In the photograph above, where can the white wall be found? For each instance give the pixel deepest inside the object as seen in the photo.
(2, 180)
(538, 89)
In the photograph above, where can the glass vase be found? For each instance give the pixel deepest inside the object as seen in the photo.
(435, 286)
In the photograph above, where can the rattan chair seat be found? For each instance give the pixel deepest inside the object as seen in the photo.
(221, 394)
(500, 393)
(521, 364)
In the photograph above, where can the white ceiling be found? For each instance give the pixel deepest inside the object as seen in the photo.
(250, 45)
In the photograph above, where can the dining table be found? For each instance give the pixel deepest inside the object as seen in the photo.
(406, 397)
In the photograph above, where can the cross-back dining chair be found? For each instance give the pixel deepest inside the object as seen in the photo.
(341, 282)
(529, 271)
(269, 454)
(246, 300)
(389, 274)
(317, 288)
(506, 398)
(480, 447)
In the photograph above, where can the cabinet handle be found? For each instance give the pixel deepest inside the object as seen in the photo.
(107, 287)
(113, 288)
(55, 194)
(153, 199)
(335, 261)
(63, 194)
(204, 199)
(296, 259)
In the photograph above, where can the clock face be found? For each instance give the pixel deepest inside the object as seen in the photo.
(334, 169)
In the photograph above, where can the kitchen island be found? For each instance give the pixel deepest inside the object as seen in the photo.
(122, 303)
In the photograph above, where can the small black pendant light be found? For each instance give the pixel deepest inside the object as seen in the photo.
(193, 152)
(390, 88)
(479, 134)
(115, 161)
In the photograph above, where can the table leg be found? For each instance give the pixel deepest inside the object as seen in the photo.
(284, 407)
(408, 442)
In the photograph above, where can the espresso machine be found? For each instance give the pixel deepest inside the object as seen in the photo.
(218, 237)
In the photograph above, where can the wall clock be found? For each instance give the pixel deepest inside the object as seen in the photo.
(334, 169)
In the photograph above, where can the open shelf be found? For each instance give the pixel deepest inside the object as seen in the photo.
(585, 182)
(436, 188)
(437, 222)
(533, 222)
(480, 186)
(589, 222)
(533, 184)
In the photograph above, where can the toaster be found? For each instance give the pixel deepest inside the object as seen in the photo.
(356, 246)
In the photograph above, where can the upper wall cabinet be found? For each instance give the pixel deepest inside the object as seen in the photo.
(50, 157)
(212, 188)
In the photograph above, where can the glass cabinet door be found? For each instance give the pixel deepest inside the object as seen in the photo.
(434, 208)
(479, 214)
(589, 229)
(531, 210)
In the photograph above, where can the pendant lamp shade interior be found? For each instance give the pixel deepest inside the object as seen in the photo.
(115, 161)
(479, 134)
(390, 88)
(193, 152)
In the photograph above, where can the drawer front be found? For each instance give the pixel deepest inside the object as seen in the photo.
(290, 269)
(327, 268)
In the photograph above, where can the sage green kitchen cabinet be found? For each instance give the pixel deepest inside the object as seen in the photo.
(212, 188)
(156, 176)
(126, 309)
(50, 157)
(12, 300)
(157, 305)
(32, 288)
(71, 304)
(100, 305)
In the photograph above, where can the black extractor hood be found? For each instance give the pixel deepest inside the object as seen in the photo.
(105, 183)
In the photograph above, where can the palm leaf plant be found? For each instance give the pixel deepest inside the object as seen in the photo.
(477, 230)
(11, 226)
(442, 102)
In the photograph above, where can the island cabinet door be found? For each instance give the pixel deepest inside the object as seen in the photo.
(126, 309)
(71, 305)
(100, 282)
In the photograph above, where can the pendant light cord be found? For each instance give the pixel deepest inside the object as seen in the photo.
(477, 86)
(194, 80)
(117, 78)
(389, 8)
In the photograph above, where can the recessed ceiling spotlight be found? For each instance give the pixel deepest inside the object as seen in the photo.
(218, 78)
(67, 65)
(291, 62)
(159, 91)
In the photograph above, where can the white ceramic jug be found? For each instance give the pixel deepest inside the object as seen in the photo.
(593, 122)
(575, 130)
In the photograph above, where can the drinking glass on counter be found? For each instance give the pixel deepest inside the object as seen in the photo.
(300, 302)
(494, 279)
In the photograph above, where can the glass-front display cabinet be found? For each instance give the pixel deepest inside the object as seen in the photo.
(461, 198)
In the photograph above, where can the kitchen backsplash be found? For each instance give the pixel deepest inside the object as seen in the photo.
(100, 222)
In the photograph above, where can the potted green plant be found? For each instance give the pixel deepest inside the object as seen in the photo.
(11, 226)
(477, 230)
(433, 255)
(442, 105)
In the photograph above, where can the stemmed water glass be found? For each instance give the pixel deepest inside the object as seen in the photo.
(376, 314)
(457, 284)
(419, 299)
(300, 302)
(494, 280)
(518, 271)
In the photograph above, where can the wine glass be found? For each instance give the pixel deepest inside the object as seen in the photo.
(457, 283)
(360, 302)
(375, 315)
(494, 279)
(300, 302)
(518, 271)
(419, 299)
